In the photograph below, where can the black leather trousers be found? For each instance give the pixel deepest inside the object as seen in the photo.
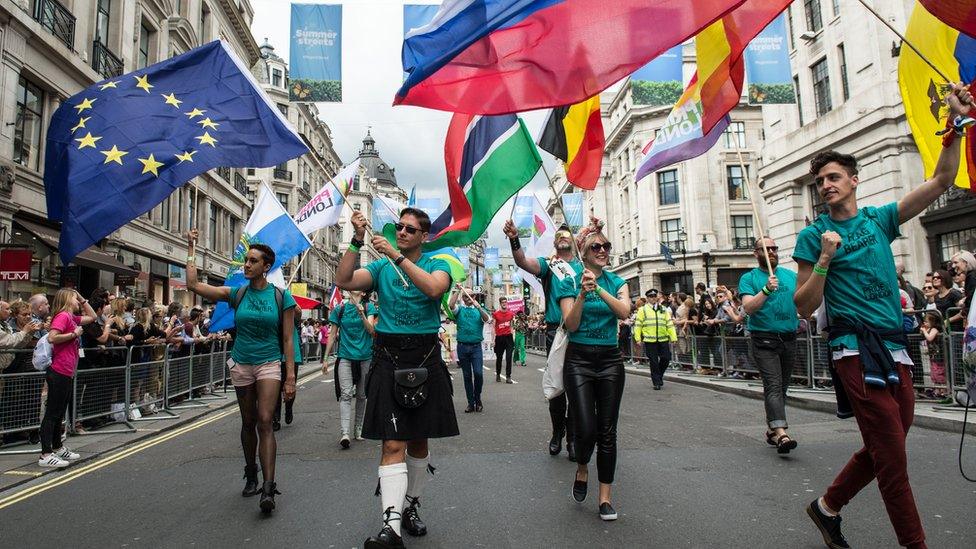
(594, 380)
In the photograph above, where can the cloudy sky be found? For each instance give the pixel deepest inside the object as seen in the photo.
(411, 139)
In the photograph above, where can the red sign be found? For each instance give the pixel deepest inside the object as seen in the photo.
(15, 264)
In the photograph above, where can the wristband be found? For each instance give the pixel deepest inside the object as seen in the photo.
(817, 269)
(353, 248)
(766, 290)
(357, 243)
(399, 260)
(516, 244)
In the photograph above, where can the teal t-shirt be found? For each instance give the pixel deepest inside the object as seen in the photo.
(554, 314)
(598, 324)
(406, 310)
(861, 282)
(355, 343)
(470, 324)
(256, 320)
(778, 313)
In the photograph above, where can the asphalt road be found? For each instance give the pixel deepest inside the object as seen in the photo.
(693, 471)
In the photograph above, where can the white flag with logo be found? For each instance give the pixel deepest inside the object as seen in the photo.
(543, 231)
(324, 208)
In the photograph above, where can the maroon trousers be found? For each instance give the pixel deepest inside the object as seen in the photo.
(883, 415)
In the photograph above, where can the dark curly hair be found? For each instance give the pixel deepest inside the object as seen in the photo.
(267, 254)
(826, 157)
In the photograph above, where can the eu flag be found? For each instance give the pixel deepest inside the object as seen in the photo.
(666, 252)
(119, 148)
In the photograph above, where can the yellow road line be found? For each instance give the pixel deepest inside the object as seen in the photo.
(108, 460)
(23, 473)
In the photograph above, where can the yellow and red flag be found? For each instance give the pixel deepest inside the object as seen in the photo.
(923, 90)
(574, 134)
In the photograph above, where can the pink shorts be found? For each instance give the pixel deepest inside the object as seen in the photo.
(243, 375)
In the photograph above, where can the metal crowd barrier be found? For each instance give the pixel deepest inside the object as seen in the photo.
(21, 401)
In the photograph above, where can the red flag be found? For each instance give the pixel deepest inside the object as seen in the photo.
(336, 298)
(958, 14)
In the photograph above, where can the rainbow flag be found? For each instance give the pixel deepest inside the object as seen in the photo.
(923, 90)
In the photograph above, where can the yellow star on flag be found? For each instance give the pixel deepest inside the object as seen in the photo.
(208, 123)
(149, 165)
(172, 100)
(143, 82)
(113, 155)
(107, 85)
(195, 112)
(85, 104)
(186, 156)
(87, 141)
(206, 139)
(81, 124)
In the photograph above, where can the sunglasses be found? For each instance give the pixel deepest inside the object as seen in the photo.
(773, 249)
(596, 247)
(928, 287)
(410, 230)
(936, 276)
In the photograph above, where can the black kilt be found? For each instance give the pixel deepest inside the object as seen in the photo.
(385, 418)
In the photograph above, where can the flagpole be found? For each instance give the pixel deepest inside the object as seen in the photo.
(557, 198)
(905, 40)
(301, 260)
(747, 183)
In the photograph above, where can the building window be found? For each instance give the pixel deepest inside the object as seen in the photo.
(817, 203)
(27, 130)
(204, 24)
(103, 19)
(742, 235)
(950, 243)
(144, 36)
(814, 18)
(821, 87)
(667, 187)
(283, 109)
(735, 135)
(179, 210)
(836, 6)
(357, 206)
(842, 57)
(251, 171)
(799, 101)
(232, 230)
(790, 32)
(671, 233)
(276, 78)
(283, 198)
(212, 226)
(167, 218)
(737, 183)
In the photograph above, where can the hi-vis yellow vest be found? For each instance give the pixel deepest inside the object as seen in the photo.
(654, 326)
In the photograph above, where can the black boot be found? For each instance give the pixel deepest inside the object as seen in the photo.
(268, 492)
(556, 443)
(411, 522)
(571, 450)
(289, 412)
(250, 481)
(387, 538)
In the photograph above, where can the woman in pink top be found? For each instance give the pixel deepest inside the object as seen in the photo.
(323, 339)
(64, 338)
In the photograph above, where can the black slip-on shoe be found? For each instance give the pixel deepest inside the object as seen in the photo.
(411, 522)
(829, 527)
(607, 512)
(289, 412)
(386, 539)
(579, 490)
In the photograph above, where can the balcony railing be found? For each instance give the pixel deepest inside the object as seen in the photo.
(224, 173)
(951, 198)
(240, 183)
(283, 175)
(105, 62)
(57, 19)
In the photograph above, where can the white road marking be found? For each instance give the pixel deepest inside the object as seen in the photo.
(487, 369)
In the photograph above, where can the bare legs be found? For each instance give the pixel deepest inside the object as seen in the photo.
(257, 404)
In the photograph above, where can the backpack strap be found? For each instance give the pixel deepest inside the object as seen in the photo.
(280, 302)
(238, 297)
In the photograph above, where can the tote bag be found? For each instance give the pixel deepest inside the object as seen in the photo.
(552, 378)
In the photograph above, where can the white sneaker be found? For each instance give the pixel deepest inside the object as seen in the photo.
(52, 461)
(359, 433)
(67, 454)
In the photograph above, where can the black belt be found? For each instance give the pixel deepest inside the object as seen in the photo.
(406, 341)
(782, 336)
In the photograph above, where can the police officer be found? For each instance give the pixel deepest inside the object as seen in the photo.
(654, 327)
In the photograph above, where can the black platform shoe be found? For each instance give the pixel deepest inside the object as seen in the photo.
(250, 481)
(411, 522)
(387, 538)
(556, 443)
(268, 492)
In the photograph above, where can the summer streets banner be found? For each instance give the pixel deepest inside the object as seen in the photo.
(522, 215)
(431, 206)
(573, 207)
(416, 16)
(661, 81)
(768, 66)
(491, 259)
(315, 64)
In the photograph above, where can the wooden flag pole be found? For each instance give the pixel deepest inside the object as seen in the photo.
(747, 186)
(905, 40)
(558, 199)
(301, 260)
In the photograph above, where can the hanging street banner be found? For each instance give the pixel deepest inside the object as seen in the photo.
(768, 66)
(496, 279)
(661, 81)
(522, 215)
(491, 259)
(315, 60)
(431, 206)
(416, 16)
(573, 206)
(463, 256)
(385, 210)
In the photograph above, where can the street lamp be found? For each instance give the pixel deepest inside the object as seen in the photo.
(682, 238)
(706, 250)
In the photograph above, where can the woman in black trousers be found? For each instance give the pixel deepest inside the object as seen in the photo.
(593, 373)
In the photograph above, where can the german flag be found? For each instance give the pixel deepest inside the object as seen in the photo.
(574, 134)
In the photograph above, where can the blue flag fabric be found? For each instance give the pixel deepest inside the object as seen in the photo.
(119, 148)
(666, 252)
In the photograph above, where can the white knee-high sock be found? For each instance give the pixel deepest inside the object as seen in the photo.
(393, 489)
(417, 476)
